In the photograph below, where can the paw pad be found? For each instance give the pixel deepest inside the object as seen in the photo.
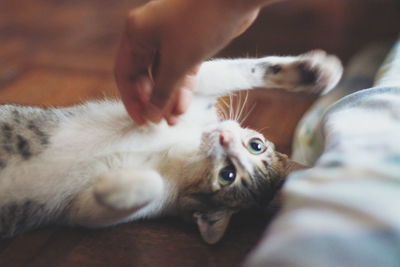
(308, 75)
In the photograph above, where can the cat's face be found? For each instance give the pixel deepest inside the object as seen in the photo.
(240, 169)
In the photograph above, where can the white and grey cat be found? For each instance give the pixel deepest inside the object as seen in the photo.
(90, 165)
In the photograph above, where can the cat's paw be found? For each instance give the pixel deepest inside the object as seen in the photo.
(313, 72)
(319, 71)
(123, 189)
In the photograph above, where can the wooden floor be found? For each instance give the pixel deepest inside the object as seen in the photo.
(61, 53)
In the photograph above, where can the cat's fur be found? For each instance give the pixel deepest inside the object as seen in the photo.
(90, 165)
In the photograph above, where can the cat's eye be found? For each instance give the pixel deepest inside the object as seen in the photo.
(256, 146)
(227, 175)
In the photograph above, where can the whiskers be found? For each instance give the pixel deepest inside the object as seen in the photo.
(234, 107)
(262, 129)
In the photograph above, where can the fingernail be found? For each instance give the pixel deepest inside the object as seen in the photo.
(145, 88)
(172, 120)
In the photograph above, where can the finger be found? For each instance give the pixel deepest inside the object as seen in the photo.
(132, 103)
(153, 113)
(133, 58)
(180, 107)
(134, 112)
(173, 67)
(185, 94)
(160, 104)
(132, 95)
(163, 91)
(194, 70)
(182, 98)
(172, 120)
(171, 114)
(144, 88)
(134, 109)
(131, 100)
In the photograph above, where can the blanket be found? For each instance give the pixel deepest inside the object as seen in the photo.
(344, 211)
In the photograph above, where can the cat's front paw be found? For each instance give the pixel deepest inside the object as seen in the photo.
(319, 71)
(124, 189)
(312, 72)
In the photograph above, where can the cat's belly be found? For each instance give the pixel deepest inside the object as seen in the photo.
(78, 153)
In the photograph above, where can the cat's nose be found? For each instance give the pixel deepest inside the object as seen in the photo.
(225, 138)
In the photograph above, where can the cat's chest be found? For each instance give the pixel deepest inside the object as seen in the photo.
(112, 138)
(154, 147)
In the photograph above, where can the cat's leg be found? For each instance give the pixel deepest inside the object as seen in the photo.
(115, 196)
(312, 72)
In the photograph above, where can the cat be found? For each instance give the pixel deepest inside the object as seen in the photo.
(90, 165)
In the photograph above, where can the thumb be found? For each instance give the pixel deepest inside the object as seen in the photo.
(164, 92)
(169, 77)
(166, 84)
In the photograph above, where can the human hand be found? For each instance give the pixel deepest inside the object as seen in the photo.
(162, 46)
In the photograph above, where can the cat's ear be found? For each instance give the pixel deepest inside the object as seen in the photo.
(212, 225)
(288, 165)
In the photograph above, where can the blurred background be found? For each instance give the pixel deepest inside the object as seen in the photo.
(59, 52)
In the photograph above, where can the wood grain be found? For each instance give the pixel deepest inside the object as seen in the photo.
(61, 53)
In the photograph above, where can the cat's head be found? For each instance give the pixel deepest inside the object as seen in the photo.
(239, 169)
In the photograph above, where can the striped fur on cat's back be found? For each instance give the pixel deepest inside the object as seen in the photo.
(90, 165)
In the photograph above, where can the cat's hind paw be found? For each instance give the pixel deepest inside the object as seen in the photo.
(124, 189)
